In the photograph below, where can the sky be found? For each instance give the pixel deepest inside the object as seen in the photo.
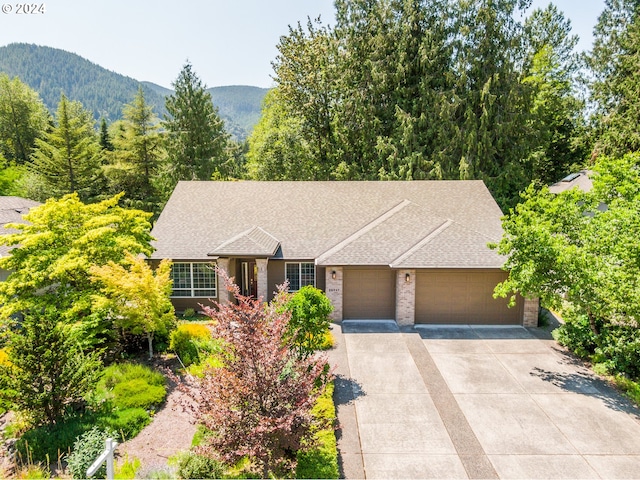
(228, 42)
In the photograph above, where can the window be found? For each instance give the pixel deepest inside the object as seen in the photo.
(193, 280)
(300, 275)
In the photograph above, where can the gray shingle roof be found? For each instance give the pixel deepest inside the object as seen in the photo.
(11, 211)
(417, 224)
(579, 179)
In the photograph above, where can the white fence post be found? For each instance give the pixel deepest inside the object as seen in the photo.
(107, 455)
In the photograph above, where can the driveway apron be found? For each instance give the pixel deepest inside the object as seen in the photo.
(474, 402)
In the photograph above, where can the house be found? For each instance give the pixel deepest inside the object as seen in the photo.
(581, 179)
(412, 251)
(11, 211)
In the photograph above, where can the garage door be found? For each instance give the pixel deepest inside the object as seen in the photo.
(463, 297)
(369, 293)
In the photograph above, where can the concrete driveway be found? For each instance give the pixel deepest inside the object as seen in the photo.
(475, 402)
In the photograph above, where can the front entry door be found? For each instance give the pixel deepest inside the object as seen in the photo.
(249, 287)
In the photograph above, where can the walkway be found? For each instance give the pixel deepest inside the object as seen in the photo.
(470, 402)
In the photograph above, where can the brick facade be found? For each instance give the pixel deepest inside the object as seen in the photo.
(531, 309)
(405, 297)
(334, 291)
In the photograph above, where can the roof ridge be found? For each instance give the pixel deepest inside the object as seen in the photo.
(434, 233)
(359, 233)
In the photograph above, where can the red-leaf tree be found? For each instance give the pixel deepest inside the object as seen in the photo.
(258, 403)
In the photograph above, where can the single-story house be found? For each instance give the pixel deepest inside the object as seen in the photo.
(11, 211)
(411, 251)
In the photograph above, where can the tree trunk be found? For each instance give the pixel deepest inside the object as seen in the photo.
(150, 340)
(592, 324)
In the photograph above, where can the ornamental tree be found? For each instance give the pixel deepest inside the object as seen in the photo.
(258, 403)
(136, 296)
(54, 252)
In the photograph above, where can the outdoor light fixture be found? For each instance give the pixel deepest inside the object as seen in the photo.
(333, 274)
(407, 278)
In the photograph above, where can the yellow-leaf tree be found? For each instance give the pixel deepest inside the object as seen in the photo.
(136, 296)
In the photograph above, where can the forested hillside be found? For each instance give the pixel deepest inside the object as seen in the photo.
(51, 71)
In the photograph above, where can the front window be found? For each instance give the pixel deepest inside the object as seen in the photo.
(193, 280)
(300, 275)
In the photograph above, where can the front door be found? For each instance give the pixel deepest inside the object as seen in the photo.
(249, 284)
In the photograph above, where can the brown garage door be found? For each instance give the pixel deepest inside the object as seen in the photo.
(369, 293)
(463, 297)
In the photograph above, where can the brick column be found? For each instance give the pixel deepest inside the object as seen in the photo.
(263, 279)
(405, 297)
(223, 293)
(333, 290)
(531, 309)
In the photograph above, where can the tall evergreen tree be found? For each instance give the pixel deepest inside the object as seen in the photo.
(614, 62)
(134, 162)
(23, 118)
(196, 139)
(68, 158)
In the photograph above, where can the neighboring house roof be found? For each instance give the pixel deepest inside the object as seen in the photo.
(414, 224)
(581, 179)
(11, 211)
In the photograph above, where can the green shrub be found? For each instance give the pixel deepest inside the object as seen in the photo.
(189, 313)
(310, 309)
(576, 335)
(192, 342)
(128, 469)
(192, 465)
(86, 449)
(128, 423)
(137, 393)
(130, 385)
(321, 461)
(619, 350)
(46, 443)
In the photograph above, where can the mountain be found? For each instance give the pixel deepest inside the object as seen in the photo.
(51, 71)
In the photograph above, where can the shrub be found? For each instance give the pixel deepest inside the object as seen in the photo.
(309, 323)
(130, 385)
(619, 350)
(128, 423)
(576, 335)
(193, 465)
(46, 443)
(192, 342)
(86, 449)
(321, 461)
(137, 393)
(128, 469)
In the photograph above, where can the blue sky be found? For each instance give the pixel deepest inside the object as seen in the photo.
(229, 42)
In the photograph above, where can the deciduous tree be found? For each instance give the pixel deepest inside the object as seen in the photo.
(258, 403)
(54, 252)
(136, 296)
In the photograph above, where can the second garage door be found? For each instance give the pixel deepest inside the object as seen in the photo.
(462, 297)
(369, 293)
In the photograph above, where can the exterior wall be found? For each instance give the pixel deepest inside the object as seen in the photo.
(223, 294)
(333, 291)
(405, 297)
(531, 309)
(276, 273)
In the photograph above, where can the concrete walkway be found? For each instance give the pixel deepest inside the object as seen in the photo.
(475, 402)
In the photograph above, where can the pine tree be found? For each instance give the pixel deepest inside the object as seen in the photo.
(68, 158)
(134, 162)
(196, 139)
